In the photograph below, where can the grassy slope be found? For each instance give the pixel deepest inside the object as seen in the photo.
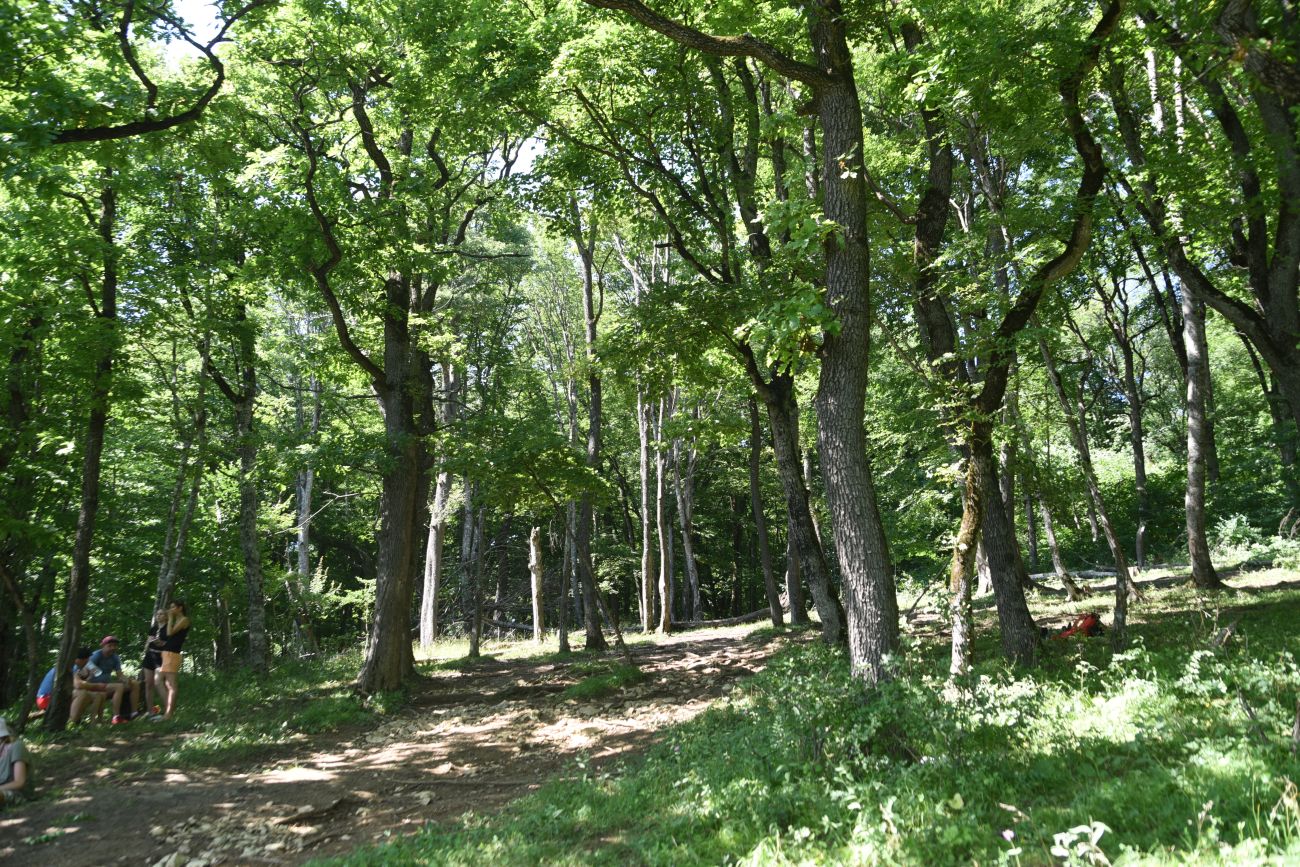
(1153, 744)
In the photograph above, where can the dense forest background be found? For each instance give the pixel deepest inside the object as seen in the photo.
(330, 317)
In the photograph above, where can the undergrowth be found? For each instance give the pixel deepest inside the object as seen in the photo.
(1148, 756)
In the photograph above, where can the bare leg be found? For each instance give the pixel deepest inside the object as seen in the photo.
(160, 683)
(80, 698)
(149, 687)
(118, 690)
(170, 679)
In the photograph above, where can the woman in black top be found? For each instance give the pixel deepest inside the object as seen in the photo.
(153, 657)
(178, 626)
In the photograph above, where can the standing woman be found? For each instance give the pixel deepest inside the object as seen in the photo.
(178, 626)
(153, 658)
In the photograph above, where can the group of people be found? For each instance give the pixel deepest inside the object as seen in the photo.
(97, 676)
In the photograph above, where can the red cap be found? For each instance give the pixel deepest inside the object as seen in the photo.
(109, 639)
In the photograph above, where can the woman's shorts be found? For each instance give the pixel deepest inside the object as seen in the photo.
(152, 660)
(171, 662)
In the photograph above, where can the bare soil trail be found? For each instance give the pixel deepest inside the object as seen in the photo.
(469, 740)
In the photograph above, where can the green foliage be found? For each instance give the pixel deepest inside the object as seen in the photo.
(1143, 757)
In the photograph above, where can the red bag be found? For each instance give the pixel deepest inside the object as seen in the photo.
(1087, 624)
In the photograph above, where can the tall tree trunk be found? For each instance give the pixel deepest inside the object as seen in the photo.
(1031, 522)
(436, 539)
(223, 650)
(1198, 549)
(586, 244)
(194, 439)
(562, 614)
(783, 417)
(665, 624)
(760, 519)
(870, 599)
(961, 569)
(535, 571)
(105, 347)
(1019, 632)
(250, 543)
(683, 483)
(646, 596)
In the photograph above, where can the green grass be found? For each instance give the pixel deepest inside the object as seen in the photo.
(231, 716)
(1147, 756)
(615, 677)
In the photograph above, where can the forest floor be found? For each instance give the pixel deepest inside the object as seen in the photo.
(472, 737)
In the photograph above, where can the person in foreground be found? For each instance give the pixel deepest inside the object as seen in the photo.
(15, 766)
(178, 626)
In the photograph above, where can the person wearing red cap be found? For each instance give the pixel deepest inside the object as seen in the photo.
(105, 667)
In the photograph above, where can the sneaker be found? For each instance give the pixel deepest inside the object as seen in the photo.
(119, 720)
(156, 717)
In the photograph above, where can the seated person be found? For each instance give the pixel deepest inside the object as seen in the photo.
(79, 691)
(15, 766)
(47, 685)
(105, 667)
(84, 692)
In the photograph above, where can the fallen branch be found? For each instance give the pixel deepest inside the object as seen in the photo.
(1255, 728)
(727, 621)
(1221, 638)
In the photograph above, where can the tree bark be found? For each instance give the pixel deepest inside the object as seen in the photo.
(683, 483)
(586, 244)
(760, 519)
(646, 596)
(1198, 549)
(56, 717)
(436, 540)
(665, 624)
(535, 571)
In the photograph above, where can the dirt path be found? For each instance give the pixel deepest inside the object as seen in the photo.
(471, 740)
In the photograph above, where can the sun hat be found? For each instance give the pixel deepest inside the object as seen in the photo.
(109, 639)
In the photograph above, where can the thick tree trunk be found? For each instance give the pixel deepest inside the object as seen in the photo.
(56, 717)
(870, 599)
(760, 519)
(1198, 549)
(1019, 632)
